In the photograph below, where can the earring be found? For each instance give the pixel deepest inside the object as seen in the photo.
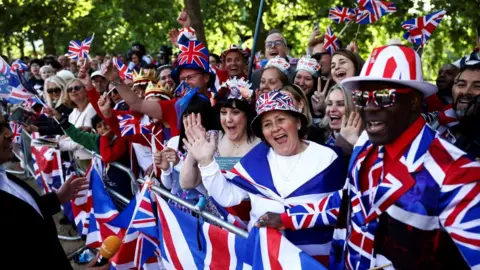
(298, 127)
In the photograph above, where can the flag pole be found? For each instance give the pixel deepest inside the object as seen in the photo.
(358, 29)
(255, 39)
(343, 30)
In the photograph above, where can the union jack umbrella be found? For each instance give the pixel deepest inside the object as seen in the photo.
(18, 65)
(371, 11)
(122, 69)
(420, 29)
(341, 14)
(79, 49)
(331, 42)
(193, 54)
(130, 125)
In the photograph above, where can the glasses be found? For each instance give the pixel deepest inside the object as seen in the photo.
(190, 77)
(382, 98)
(276, 43)
(56, 90)
(74, 88)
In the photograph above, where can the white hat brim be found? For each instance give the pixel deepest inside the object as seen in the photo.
(355, 83)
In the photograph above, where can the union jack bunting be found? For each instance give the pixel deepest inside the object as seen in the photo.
(16, 132)
(129, 125)
(19, 65)
(341, 14)
(122, 69)
(193, 54)
(370, 11)
(419, 30)
(331, 42)
(403, 197)
(79, 49)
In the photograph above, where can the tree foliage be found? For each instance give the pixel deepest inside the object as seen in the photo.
(118, 23)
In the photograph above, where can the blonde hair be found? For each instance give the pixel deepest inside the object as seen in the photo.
(70, 102)
(59, 82)
(347, 97)
(300, 96)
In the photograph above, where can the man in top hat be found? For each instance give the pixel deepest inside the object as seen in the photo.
(411, 200)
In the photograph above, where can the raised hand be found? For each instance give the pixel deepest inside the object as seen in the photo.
(353, 46)
(105, 105)
(351, 127)
(162, 159)
(270, 219)
(318, 98)
(184, 19)
(110, 71)
(173, 36)
(83, 75)
(71, 189)
(200, 147)
(51, 112)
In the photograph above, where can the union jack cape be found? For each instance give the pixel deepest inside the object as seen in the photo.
(419, 30)
(428, 198)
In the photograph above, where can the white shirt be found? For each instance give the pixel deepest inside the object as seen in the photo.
(79, 119)
(12, 188)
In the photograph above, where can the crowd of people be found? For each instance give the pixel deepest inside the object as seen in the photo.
(361, 164)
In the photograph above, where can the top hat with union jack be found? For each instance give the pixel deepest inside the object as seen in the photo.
(398, 65)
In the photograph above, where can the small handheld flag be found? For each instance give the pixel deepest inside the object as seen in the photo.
(79, 49)
(341, 14)
(331, 42)
(370, 11)
(420, 29)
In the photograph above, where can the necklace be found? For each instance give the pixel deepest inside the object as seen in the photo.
(237, 147)
(286, 178)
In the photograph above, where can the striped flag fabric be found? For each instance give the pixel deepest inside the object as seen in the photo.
(122, 69)
(341, 14)
(370, 11)
(79, 49)
(420, 29)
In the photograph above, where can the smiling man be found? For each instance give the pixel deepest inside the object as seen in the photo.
(408, 188)
(27, 222)
(445, 79)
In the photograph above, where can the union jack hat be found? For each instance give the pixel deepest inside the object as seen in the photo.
(392, 64)
(308, 64)
(280, 63)
(274, 101)
(193, 55)
(235, 48)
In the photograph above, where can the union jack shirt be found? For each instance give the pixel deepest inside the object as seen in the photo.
(420, 214)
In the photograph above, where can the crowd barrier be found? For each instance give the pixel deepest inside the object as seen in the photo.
(25, 156)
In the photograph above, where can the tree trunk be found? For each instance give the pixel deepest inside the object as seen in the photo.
(49, 45)
(192, 7)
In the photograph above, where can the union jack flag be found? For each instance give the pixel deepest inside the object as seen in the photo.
(16, 131)
(79, 49)
(19, 65)
(194, 54)
(331, 42)
(129, 125)
(122, 69)
(371, 11)
(420, 29)
(18, 89)
(48, 166)
(341, 14)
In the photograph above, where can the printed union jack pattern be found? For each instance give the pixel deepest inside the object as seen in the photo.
(48, 166)
(15, 92)
(274, 100)
(331, 42)
(193, 54)
(122, 69)
(370, 11)
(420, 29)
(19, 65)
(16, 132)
(341, 14)
(129, 125)
(79, 49)
(429, 166)
(309, 64)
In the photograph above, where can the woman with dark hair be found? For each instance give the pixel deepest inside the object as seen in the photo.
(236, 137)
(273, 76)
(345, 64)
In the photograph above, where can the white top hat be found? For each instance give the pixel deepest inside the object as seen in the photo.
(392, 64)
(308, 64)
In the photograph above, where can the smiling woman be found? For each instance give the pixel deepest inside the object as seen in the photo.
(281, 172)
(345, 64)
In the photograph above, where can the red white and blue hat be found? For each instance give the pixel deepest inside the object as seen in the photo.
(392, 64)
(274, 101)
(234, 48)
(193, 55)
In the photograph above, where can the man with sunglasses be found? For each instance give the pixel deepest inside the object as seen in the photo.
(411, 194)
(411, 198)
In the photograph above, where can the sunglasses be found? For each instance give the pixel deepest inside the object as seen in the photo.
(56, 90)
(74, 88)
(382, 98)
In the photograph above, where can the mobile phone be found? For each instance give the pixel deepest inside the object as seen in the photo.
(20, 115)
(315, 26)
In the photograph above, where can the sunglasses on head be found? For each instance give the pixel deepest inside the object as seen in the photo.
(56, 90)
(383, 98)
(74, 88)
